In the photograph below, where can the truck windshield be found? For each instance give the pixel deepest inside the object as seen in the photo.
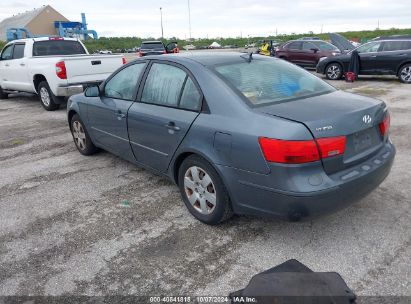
(57, 47)
(264, 82)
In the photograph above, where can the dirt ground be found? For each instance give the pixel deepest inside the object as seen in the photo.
(71, 224)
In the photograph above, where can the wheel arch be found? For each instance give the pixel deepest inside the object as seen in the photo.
(37, 79)
(70, 115)
(179, 159)
(401, 66)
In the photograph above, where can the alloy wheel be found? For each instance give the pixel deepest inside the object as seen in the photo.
(45, 96)
(79, 135)
(406, 74)
(200, 190)
(333, 72)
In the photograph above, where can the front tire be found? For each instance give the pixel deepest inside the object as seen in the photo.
(80, 136)
(3, 95)
(405, 74)
(334, 71)
(47, 98)
(203, 191)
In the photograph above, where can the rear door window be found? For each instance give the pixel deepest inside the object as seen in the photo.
(308, 46)
(123, 85)
(7, 53)
(163, 85)
(152, 46)
(396, 46)
(57, 48)
(18, 51)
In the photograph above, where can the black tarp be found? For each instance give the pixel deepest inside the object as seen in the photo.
(354, 66)
(293, 282)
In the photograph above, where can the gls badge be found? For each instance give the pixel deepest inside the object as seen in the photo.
(366, 119)
(326, 128)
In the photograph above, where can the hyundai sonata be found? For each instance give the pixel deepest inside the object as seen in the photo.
(238, 133)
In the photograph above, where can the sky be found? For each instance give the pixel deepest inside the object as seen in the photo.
(224, 18)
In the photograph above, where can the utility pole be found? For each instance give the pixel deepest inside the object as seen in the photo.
(189, 19)
(161, 16)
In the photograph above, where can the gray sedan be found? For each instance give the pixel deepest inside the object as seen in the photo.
(238, 133)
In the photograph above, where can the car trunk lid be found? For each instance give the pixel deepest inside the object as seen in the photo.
(338, 114)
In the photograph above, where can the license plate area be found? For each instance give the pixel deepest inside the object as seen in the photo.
(362, 141)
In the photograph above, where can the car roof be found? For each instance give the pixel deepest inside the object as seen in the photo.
(154, 41)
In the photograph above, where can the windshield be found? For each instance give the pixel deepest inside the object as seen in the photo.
(264, 82)
(57, 47)
(152, 46)
(324, 46)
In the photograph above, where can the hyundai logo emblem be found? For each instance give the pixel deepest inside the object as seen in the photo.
(367, 119)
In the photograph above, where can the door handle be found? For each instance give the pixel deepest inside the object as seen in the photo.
(373, 56)
(120, 115)
(172, 126)
(22, 64)
(6, 64)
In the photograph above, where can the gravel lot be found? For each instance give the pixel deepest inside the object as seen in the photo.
(98, 225)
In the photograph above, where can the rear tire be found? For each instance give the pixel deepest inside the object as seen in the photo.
(48, 100)
(405, 73)
(80, 136)
(203, 191)
(333, 71)
(3, 95)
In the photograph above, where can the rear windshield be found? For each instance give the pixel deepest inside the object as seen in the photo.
(57, 47)
(152, 46)
(270, 81)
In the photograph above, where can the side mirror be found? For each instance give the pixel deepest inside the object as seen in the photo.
(315, 50)
(92, 91)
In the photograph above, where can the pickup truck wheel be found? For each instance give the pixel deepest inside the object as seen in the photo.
(80, 136)
(47, 98)
(3, 95)
(203, 191)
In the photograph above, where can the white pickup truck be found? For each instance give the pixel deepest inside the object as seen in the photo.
(52, 67)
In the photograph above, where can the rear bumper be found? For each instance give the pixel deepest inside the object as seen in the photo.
(69, 90)
(342, 189)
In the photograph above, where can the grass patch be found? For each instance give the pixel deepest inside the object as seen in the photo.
(17, 142)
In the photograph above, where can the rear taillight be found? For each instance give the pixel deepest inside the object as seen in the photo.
(331, 146)
(301, 151)
(385, 125)
(124, 60)
(290, 152)
(61, 71)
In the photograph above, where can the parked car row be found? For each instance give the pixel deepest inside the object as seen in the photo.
(382, 56)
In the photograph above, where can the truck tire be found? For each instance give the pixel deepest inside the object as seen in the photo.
(3, 95)
(48, 100)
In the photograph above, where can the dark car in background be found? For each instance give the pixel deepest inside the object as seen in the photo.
(238, 133)
(157, 48)
(306, 53)
(387, 56)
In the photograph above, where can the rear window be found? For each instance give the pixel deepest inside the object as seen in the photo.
(152, 46)
(57, 47)
(270, 81)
